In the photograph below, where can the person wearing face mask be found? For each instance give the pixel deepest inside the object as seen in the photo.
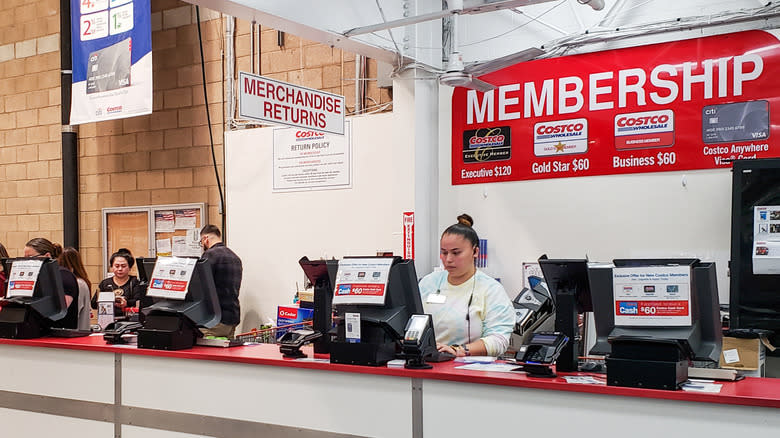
(472, 314)
(125, 287)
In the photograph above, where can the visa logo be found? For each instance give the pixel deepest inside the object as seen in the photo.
(628, 308)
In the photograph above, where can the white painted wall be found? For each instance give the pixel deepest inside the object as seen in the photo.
(272, 231)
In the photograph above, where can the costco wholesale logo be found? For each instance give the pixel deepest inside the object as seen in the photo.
(649, 129)
(628, 308)
(561, 137)
(487, 144)
(308, 135)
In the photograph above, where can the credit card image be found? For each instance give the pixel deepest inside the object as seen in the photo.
(109, 68)
(731, 122)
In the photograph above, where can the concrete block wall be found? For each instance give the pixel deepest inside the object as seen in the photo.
(162, 158)
(30, 140)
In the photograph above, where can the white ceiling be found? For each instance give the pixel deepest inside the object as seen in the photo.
(484, 33)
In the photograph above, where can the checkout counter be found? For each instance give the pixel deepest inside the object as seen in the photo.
(84, 388)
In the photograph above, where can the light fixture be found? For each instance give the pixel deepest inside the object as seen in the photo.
(597, 5)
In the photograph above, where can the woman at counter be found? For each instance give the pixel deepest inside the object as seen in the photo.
(124, 286)
(472, 314)
(43, 248)
(71, 259)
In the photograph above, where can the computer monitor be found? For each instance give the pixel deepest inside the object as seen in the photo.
(34, 298)
(701, 338)
(382, 323)
(172, 322)
(567, 280)
(755, 246)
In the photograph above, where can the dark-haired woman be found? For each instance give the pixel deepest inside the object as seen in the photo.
(41, 247)
(71, 259)
(125, 287)
(472, 314)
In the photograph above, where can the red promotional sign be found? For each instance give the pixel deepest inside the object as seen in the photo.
(693, 104)
(653, 308)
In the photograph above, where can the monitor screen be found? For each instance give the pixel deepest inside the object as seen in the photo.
(701, 335)
(568, 276)
(382, 326)
(755, 246)
(362, 280)
(34, 291)
(171, 277)
(199, 303)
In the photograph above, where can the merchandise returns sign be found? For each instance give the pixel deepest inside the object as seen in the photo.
(273, 101)
(694, 104)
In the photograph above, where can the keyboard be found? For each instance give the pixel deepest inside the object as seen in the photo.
(58, 332)
(439, 356)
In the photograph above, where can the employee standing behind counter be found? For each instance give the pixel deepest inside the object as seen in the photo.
(125, 287)
(472, 314)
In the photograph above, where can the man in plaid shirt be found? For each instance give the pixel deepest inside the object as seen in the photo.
(227, 270)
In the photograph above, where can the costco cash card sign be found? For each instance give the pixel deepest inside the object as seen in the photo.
(112, 59)
(652, 296)
(171, 277)
(273, 101)
(693, 104)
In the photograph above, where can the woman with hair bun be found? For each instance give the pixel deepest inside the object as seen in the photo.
(472, 314)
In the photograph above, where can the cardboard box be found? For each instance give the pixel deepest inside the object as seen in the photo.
(286, 315)
(748, 356)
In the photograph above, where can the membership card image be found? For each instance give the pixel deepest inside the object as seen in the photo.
(109, 68)
(731, 122)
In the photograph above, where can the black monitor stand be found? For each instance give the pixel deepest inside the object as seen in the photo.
(19, 321)
(322, 274)
(172, 331)
(566, 317)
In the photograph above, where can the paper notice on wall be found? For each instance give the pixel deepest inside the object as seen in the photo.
(652, 296)
(163, 221)
(766, 239)
(311, 160)
(187, 245)
(24, 275)
(163, 247)
(186, 219)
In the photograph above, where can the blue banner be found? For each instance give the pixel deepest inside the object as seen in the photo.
(112, 59)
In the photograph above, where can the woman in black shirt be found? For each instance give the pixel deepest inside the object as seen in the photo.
(124, 286)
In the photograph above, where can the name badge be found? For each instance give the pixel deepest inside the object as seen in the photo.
(436, 299)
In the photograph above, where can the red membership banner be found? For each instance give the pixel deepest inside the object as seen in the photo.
(683, 105)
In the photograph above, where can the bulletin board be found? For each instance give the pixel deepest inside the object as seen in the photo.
(148, 231)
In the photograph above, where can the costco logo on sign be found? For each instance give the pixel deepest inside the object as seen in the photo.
(649, 129)
(308, 135)
(561, 137)
(487, 144)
